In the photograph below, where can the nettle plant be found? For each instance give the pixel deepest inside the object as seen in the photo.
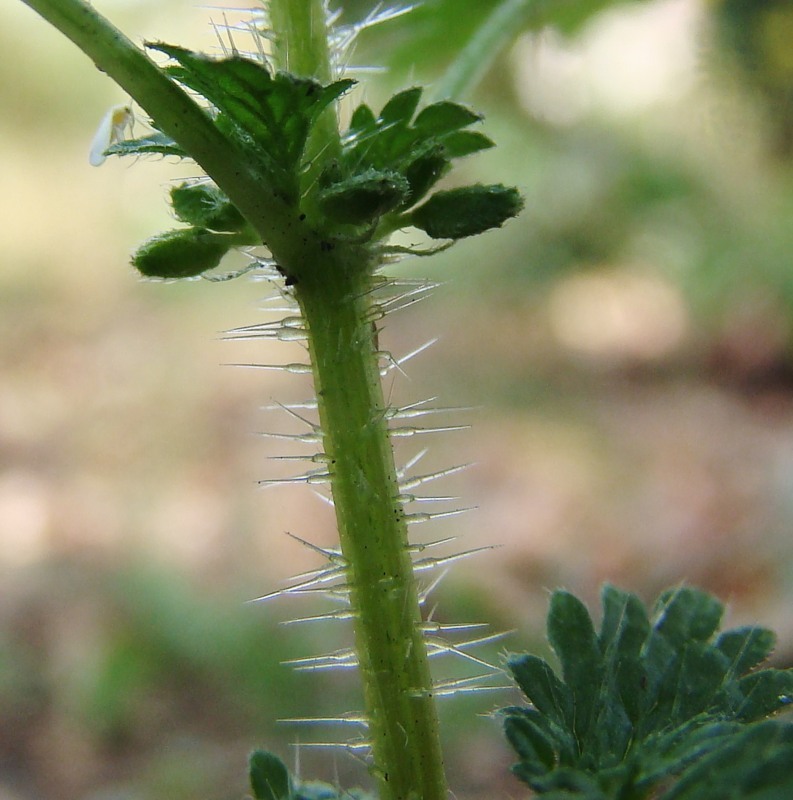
(654, 705)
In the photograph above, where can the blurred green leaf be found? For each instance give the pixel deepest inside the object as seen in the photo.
(269, 777)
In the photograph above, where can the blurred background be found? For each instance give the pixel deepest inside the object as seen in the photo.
(625, 345)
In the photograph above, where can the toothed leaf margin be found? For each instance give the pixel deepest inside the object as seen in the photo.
(647, 701)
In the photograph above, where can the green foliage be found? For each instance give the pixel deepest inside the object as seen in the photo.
(757, 35)
(467, 211)
(205, 206)
(182, 253)
(269, 777)
(420, 150)
(362, 198)
(386, 165)
(157, 143)
(434, 33)
(270, 780)
(645, 702)
(268, 117)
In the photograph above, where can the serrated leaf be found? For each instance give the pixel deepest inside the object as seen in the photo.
(754, 764)
(661, 701)
(467, 211)
(424, 172)
(155, 143)
(573, 638)
(539, 683)
(269, 117)
(363, 119)
(269, 777)
(765, 693)
(363, 198)
(444, 117)
(530, 741)
(702, 673)
(401, 107)
(564, 784)
(181, 253)
(746, 647)
(685, 613)
(466, 143)
(204, 205)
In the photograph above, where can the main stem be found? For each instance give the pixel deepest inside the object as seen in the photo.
(403, 725)
(334, 294)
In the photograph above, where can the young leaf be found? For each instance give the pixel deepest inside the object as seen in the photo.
(467, 211)
(539, 683)
(746, 647)
(444, 117)
(684, 614)
(424, 172)
(401, 107)
(203, 205)
(363, 198)
(181, 253)
(362, 120)
(269, 117)
(753, 764)
(465, 143)
(155, 143)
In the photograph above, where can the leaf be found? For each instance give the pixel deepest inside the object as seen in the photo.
(444, 117)
(204, 205)
(529, 740)
(363, 119)
(467, 211)
(746, 647)
(363, 198)
(684, 613)
(765, 692)
(754, 764)
(181, 253)
(269, 777)
(640, 706)
(157, 142)
(424, 172)
(541, 686)
(401, 107)
(268, 117)
(465, 143)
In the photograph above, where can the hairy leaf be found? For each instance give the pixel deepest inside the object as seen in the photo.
(467, 211)
(204, 205)
(641, 704)
(363, 198)
(156, 143)
(181, 253)
(268, 117)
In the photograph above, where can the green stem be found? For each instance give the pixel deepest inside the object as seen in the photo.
(301, 48)
(476, 58)
(333, 292)
(403, 725)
